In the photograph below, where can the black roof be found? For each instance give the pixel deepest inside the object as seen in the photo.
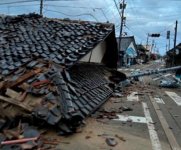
(36, 52)
(64, 42)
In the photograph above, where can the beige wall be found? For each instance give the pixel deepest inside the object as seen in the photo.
(97, 54)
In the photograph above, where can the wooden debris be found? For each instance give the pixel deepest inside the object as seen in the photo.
(22, 78)
(111, 142)
(16, 103)
(120, 138)
(13, 94)
(19, 141)
(40, 83)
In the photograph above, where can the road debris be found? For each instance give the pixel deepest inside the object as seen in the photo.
(120, 138)
(24, 140)
(87, 137)
(111, 141)
(169, 84)
(22, 137)
(124, 108)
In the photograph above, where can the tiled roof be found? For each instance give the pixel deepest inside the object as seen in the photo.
(27, 37)
(58, 97)
(35, 53)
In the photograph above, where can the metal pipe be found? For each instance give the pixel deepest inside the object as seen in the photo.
(19, 141)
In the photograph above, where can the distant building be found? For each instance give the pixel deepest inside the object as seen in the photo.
(128, 51)
(173, 56)
(143, 53)
(148, 47)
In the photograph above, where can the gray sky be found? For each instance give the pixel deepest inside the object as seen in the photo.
(142, 16)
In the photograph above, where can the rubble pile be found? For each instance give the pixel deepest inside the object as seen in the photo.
(26, 137)
(53, 96)
(40, 82)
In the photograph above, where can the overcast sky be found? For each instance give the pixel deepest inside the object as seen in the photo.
(142, 16)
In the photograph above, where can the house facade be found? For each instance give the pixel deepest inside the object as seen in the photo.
(127, 51)
(173, 56)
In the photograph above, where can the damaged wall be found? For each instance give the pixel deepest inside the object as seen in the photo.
(96, 55)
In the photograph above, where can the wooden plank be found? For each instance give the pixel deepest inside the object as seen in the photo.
(13, 94)
(16, 103)
(171, 138)
(2, 83)
(22, 78)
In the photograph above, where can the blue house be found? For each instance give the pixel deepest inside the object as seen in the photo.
(128, 51)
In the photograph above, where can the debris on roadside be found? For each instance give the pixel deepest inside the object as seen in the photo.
(87, 137)
(111, 141)
(123, 108)
(54, 96)
(118, 90)
(111, 113)
(116, 94)
(22, 137)
(120, 138)
(169, 84)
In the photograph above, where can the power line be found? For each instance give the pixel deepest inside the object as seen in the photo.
(73, 6)
(86, 14)
(104, 14)
(117, 8)
(166, 28)
(23, 5)
(133, 33)
(28, 1)
(62, 0)
(23, 1)
(170, 16)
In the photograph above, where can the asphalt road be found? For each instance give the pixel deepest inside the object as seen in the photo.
(170, 104)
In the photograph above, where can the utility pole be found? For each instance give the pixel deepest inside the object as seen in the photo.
(147, 41)
(155, 48)
(166, 49)
(152, 46)
(122, 7)
(168, 38)
(41, 7)
(151, 35)
(169, 44)
(175, 37)
(175, 41)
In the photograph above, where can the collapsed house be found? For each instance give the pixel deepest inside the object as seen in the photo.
(48, 73)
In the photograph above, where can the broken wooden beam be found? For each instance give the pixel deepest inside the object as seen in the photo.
(16, 103)
(19, 141)
(22, 78)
